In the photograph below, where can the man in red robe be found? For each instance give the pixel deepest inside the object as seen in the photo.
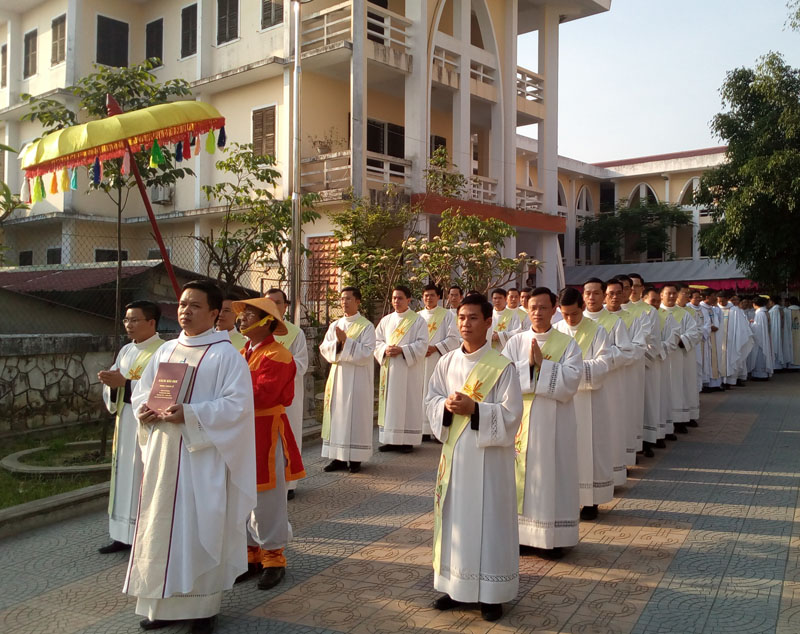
(277, 458)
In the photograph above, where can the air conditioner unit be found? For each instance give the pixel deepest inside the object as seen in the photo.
(160, 194)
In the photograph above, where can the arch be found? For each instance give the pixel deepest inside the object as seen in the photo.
(635, 196)
(561, 199)
(482, 19)
(686, 198)
(585, 203)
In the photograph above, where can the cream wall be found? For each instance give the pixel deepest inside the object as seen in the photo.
(46, 75)
(317, 121)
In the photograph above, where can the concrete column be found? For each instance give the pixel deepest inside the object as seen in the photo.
(284, 142)
(569, 236)
(548, 129)
(673, 232)
(14, 40)
(203, 169)
(462, 155)
(696, 234)
(507, 188)
(358, 101)
(201, 228)
(71, 74)
(13, 174)
(68, 246)
(548, 254)
(417, 109)
(206, 36)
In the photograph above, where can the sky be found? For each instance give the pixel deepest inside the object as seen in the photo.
(644, 78)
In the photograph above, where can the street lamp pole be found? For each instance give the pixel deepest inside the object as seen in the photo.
(296, 261)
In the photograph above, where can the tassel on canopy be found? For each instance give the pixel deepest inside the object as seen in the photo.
(223, 138)
(38, 190)
(211, 142)
(196, 146)
(187, 148)
(63, 178)
(156, 155)
(179, 152)
(73, 180)
(54, 184)
(25, 192)
(126, 163)
(96, 176)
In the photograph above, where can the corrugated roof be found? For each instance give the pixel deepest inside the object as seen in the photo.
(24, 281)
(655, 272)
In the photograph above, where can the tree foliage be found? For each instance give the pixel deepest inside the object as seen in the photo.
(754, 197)
(647, 224)
(256, 228)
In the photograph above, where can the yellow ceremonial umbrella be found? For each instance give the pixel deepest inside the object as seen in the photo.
(120, 133)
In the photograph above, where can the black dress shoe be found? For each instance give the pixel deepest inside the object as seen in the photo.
(647, 449)
(290, 494)
(204, 626)
(113, 547)
(426, 438)
(589, 513)
(335, 465)
(385, 448)
(355, 467)
(252, 570)
(157, 624)
(271, 577)
(491, 611)
(681, 428)
(445, 602)
(660, 444)
(406, 448)
(693, 423)
(671, 437)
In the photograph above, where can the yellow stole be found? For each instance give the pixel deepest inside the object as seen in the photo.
(502, 325)
(436, 321)
(409, 317)
(607, 320)
(134, 373)
(627, 317)
(353, 331)
(553, 349)
(585, 333)
(479, 383)
(288, 339)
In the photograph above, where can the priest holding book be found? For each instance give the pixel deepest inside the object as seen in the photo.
(199, 473)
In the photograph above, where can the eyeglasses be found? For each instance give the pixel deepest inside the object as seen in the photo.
(127, 321)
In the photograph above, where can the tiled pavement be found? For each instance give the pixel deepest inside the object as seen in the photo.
(704, 538)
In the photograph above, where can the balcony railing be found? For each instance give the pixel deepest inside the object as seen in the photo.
(528, 199)
(330, 174)
(530, 85)
(483, 189)
(445, 67)
(482, 73)
(334, 24)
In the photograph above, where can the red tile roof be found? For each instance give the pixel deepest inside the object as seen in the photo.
(664, 157)
(33, 281)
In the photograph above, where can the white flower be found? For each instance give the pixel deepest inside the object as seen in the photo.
(412, 279)
(487, 244)
(522, 254)
(489, 252)
(424, 258)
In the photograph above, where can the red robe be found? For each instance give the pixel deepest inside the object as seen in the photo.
(272, 370)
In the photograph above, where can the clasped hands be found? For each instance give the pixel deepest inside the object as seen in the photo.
(535, 356)
(393, 351)
(173, 414)
(460, 404)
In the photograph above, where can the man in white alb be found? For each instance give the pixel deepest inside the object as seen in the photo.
(505, 322)
(199, 477)
(226, 322)
(295, 342)
(348, 406)
(761, 358)
(474, 405)
(514, 299)
(401, 341)
(454, 296)
(442, 338)
(737, 339)
(141, 322)
(550, 367)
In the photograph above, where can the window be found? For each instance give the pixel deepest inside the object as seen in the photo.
(189, 31)
(108, 255)
(264, 131)
(3, 66)
(386, 138)
(112, 42)
(29, 55)
(58, 28)
(271, 13)
(227, 20)
(54, 255)
(26, 258)
(608, 192)
(323, 272)
(437, 142)
(154, 40)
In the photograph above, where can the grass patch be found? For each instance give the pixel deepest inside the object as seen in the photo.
(17, 488)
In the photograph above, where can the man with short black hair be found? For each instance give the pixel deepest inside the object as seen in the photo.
(401, 341)
(119, 381)
(227, 321)
(514, 303)
(455, 294)
(737, 340)
(550, 367)
(712, 378)
(199, 474)
(295, 342)
(505, 322)
(348, 403)
(761, 358)
(474, 405)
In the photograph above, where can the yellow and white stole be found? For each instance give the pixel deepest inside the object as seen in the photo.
(584, 335)
(553, 349)
(607, 320)
(479, 383)
(134, 373)
(150, 555)
(409, 317)
(435, 321)
(288, 339)
(353, 332)
(502, 325)
(724, 330)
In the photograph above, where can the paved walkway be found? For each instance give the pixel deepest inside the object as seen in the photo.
(704, 538)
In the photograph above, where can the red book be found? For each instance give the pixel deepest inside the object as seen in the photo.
(170, 386)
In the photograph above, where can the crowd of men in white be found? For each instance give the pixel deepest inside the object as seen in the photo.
(541, 403)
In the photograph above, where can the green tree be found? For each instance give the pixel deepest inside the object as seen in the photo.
(256, 228)
(754, 197)
(647, 224)
(793, 21)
